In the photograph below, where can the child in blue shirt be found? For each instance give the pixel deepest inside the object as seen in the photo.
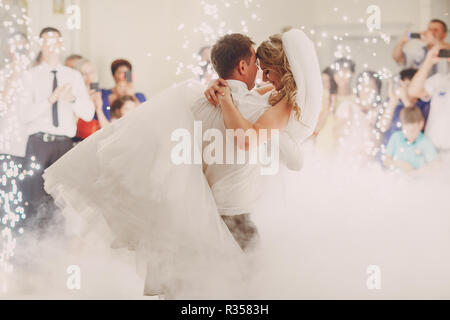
(409, 149)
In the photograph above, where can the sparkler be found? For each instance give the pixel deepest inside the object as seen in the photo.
(13, 171)
(213, 26)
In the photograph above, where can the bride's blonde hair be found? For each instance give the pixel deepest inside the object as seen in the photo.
(272, 54)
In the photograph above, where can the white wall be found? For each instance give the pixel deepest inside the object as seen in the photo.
(42, 15)
(145, 27)
(134, 28)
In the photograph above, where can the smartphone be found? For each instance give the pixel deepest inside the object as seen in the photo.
(95, 86)
(414, 35)
(444, 53)
(129, 76)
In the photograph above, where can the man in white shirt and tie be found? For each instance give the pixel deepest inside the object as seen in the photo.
(54, 95)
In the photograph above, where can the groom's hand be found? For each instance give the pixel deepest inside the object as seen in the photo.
(215, 90)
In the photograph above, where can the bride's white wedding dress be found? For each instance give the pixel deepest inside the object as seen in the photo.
(124, 186)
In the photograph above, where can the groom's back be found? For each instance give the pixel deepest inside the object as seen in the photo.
(233, 184)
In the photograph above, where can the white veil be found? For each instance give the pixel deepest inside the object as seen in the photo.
(304, 64)
(305, 67)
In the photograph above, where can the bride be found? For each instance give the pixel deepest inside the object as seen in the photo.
(122, 183)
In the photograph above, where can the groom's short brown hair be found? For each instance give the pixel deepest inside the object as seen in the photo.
(228, 51)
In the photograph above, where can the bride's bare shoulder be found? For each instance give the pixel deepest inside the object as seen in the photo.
(278, 115)
(283, 106)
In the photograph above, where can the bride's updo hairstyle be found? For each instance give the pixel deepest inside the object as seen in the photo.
(272, 54)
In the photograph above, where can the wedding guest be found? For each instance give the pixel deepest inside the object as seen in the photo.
(435, 34)
(328, 99)
(53, 94)
(122, 106)
(398, 100)
(356, 120)
(409, 149)
(90, 77)
(124, 87)
(72, 60)
(437, 88)
(327, 138)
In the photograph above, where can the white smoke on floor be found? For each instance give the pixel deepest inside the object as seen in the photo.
(335, 221)
(45, 268)
(320, 230)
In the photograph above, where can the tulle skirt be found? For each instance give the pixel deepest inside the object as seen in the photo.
(122, 184)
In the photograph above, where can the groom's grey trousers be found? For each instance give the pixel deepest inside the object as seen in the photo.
(243, 230)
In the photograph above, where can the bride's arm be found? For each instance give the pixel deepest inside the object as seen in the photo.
(215, 90)
(275, 117)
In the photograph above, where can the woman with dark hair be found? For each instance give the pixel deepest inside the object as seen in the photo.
(341, 72)
(329, 84)
(121, 71)
(328, 98)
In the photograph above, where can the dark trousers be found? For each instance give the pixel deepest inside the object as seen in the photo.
(46, 151)
(243, 230)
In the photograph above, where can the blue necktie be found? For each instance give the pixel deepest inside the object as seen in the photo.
(55, 105)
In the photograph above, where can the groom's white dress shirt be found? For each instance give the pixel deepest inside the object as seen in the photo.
(236, 186)
(37, 110)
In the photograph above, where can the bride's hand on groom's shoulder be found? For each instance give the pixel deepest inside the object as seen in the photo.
(226, 97)
(216, 89)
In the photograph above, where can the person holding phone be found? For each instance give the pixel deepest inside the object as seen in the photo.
(437, 88)
(90, 77)
(399, 98)
(123, 77)
(435, 34)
